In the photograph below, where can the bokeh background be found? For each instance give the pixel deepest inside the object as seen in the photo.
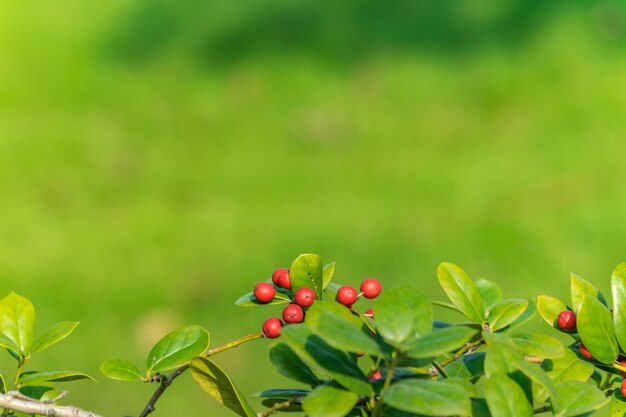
(158, 158)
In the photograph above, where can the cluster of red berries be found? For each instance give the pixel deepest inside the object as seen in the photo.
(303, 298)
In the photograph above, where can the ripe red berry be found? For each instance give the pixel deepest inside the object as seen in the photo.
(346, 295)
(271, 327)
(369, 313)
(264, 292)
(371, 288)
(566, 320)
(583, 351)
(376, 375)
(623, 388)
(293, 314)
(304, 297)
(622, 362)
(280, 278)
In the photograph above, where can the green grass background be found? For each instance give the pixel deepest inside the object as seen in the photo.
(147, 187)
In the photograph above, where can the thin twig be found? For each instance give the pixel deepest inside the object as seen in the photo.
(12, 401)
(277, 406)
(166, 380)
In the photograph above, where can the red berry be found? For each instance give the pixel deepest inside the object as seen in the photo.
(376, 375)
(369, 313)
(623, 388)
(583, 351)
(566, 320)
(371, 288)
(280, 278)
(293, 314)
(346, 295)
(264, 292)
(304, 297)
(271, 327)
(622, 362)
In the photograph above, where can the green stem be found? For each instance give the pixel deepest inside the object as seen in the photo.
(391, 365)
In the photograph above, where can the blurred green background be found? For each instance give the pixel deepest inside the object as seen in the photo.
(158, 158)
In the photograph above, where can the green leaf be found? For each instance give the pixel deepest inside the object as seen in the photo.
(480, 408)
(505, 312)
(283, 393)
(307, 271)
(564, 368)
(249, 300)
(528, 314)
(431, 398)
(490, 292)
(177, 348)
(38, 378)
(336, 363)
(35, 392)
(402, 314)
(440, 341)
(550, 308)
(462, 291)
(6, 383)
(618, 289)
(55, 334)
(217, 384)
(573, 398)
(290, 365)
(536, 374)
(17, 321)
(341, 329)
(121, 370)
(595, 327)
(501, 359)
(5, 342)
(618, 404)
(329, 401)
(327, 274)
(539, 345)
(580, 288)
(505, 398)
(469, 367)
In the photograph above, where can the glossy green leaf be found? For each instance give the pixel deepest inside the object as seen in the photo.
(501, 359)
(440, 341)
(505, 398)
(283, 393)
(469, 367)
(550, 308)
(35, 392)
(580, 288)
(5, 342)
(526, 316)
(539, 345)
(462, 291)
(307, 271)
(218, 385)
(327, 274)
(427, 397)
(618, 290)
(336, 363)
(564, 368)
(573, 398)
(249, 300)
(6, 383)
(340, 328)
(618, 404)
(121, 370)
(17, 321)
(595, 327)
(55, 334)
(536, 374)
(39, 378)
(177, 348)
(402, 314)
(505, 312)
(290, 365)
(490, 292)
(329, 401)
(50, 395)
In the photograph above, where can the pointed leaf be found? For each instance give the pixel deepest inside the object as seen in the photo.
(505, 398)
(580, 288)
(440, 341)
(38, 378)
(329, 401)
(177, 348)
(55, 334)
(327, 274)
(290, 365)
(121, 370)
(595, 327)
(573, 398)
(5, 342)
(528, 314)
(432, 398)
(17, 321)
(307, 271)
(217, 384)
(284, 393)
(462, 291)
(539, 345)
(490, 292)
(402, 314)
(505, 312)
(618, 288)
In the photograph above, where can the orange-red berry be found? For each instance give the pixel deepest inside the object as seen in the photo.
(347, 295)
(264, 292)
(583, 351)
(622, 388)
(271, 327)
(376, 375)
(304, 297)
(622, 362)
(371, 288)
(293, 314)
(280, 278)
(566, 320)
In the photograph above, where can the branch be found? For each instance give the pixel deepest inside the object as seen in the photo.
(277, 406)
(16, 401)
(167, 380)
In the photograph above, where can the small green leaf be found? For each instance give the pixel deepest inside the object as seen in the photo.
(121, 370)
(284, 393)
(505, 398)
(290, 365)
(307, 271)
(536, 374)
(55, 334)
(490, 292)
(402, 314)
(573, 398)
(432, 398)
(327, 274)
(440, 341)
(35, 392)
(618, 404)
(38, 378)
(580, 288)
(329, 401)
(6, 384)
(249, 300)
(595, 327)
(618, 289)
(17, 321)
(217, 384)
(177, 348)
(550, 308)
(469, 367)
(462, 291)
(505, 312)
(539, 345)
